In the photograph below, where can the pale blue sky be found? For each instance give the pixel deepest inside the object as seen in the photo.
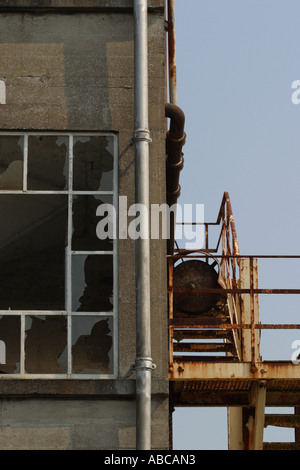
(236, 61)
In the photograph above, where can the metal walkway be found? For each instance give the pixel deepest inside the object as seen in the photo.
(215, 358)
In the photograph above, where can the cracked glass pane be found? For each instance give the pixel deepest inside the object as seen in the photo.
(92, 277)
(10, 330)
(11, 162)
(46, 344)
(32, 252)
(93, 163)
(92, 351)
(47, 162)
(85, 222)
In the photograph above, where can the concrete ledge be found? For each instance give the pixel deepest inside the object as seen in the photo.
(65, 387)
(75, 4)
(111, 389)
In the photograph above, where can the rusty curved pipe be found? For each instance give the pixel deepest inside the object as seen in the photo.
(175, 140)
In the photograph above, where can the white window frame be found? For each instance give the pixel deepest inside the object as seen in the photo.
(69, 254)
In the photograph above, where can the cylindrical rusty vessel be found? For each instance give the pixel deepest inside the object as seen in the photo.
(195, 274)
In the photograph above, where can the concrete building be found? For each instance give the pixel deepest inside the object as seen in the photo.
(67, 298)
(101, 337)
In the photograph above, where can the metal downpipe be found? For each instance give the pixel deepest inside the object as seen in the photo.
(143, 365)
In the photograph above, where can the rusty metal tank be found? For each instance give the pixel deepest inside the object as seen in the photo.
(195, 274)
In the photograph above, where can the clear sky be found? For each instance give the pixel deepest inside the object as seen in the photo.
(236, 62)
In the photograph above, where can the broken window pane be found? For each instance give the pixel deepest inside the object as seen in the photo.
(92, 351)
(93, 163)
(46, 344)
(47, 162)
(10, 328)
(85, 223)
(92, 277)
(11, 162)
(32, 252)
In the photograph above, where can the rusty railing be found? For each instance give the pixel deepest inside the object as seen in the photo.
(242, 297)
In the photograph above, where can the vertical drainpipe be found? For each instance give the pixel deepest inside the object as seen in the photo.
(143, 365)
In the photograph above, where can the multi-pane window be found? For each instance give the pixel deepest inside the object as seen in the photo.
(58, 283)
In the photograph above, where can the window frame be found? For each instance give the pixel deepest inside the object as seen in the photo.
(68, 313)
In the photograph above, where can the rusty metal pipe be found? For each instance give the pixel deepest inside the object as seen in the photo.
(172, 52)
(174, 142)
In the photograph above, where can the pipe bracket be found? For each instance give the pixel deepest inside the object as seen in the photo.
(143, 363)
(180, 142)
(178, 165)
(141, 135)
(175, 193)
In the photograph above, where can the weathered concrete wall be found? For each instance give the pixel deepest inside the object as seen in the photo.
(56, 424)
(76, 72)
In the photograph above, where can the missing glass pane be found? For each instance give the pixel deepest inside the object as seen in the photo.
(85, 223)
(32, 252)
(46, 344)
(11, 162)
(92, 278)
(10, 327)
(47, 162)
(93, 163)
(92, 351)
